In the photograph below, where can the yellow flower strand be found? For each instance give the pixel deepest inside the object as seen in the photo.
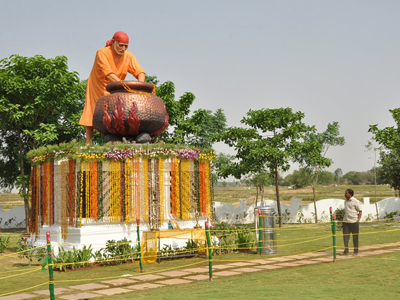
(185, 189)
(87, 192)
(128, 185)
(177, 188)
(64, 199)
(208, 190)
(161, 189)
(136, 188)
(81, 195)
(146, 186)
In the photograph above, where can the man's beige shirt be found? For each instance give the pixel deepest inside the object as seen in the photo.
(351, 209)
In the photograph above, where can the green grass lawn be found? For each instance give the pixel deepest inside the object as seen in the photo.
(362, 278)
(372, 277)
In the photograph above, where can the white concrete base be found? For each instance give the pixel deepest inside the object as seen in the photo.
(98, 234)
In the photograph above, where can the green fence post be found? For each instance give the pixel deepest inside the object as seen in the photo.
(334, 237)
(260, 232)
(139, 248)
(50, 262)
(207, 226)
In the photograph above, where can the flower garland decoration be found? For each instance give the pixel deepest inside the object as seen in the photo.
(128, 186)
(120, 184)
(64, 194)
(136, 188)
(122, 191)
(51, 202)
(71, 191)
(81, 194)
(44, 193)
(147, 217)
(93, 190)
(185, 189)
(87, 191)
(161, 189)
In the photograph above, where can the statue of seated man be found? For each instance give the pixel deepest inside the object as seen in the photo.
(112, 63)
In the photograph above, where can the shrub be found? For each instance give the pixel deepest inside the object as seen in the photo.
(339, 217)
(4, 243)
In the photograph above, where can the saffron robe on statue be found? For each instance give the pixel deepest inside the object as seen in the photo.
(104, 65)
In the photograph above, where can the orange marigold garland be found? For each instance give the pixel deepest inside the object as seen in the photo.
(51, 201)
(147, 216)
(44, 193)
(161, 190)
(122, 191)
(208, 189)
(64, 201)
(93, 190)
(142, 191)
(87, 192)
(136, 188)
(202, 189)
(127, 181)
(115, 212)
(185, 189)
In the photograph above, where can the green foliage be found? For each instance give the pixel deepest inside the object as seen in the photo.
(390, 217)
(338, 176)
(72, 259)
(38, 105)
(197, 128)
(120, 251)
(353, 177)
(26, 250)
(4, 243)
(244, 238)
(226, 235)
(298, 179)
(389, 140)
(325, 178)
(339, 217)
(270, 141)
(312, 158)
(232, 237)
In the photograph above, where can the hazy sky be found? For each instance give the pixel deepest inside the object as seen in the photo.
(335, 60)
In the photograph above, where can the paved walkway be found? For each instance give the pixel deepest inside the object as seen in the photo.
(185, 276)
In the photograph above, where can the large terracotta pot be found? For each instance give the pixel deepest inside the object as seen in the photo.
(132, 108)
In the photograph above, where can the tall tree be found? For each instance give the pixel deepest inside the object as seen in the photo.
(269, 142)
(313, 157)
(338, 175)
(197, 128)
(38, 105)
(389, 139)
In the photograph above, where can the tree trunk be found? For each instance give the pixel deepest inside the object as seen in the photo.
(314, 183)
(262, 193)
(315, 203)
(256, 194)
(23, 186)
(278, 201)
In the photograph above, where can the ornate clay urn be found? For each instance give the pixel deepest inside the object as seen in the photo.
(130, 110)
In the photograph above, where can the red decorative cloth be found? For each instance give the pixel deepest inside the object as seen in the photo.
(119, 36)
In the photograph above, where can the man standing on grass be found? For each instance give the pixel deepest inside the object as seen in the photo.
(351, 221)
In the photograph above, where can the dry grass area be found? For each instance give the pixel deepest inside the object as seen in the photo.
(9, 201)
(232, 195)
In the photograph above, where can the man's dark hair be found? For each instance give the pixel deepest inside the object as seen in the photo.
(351, 192)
